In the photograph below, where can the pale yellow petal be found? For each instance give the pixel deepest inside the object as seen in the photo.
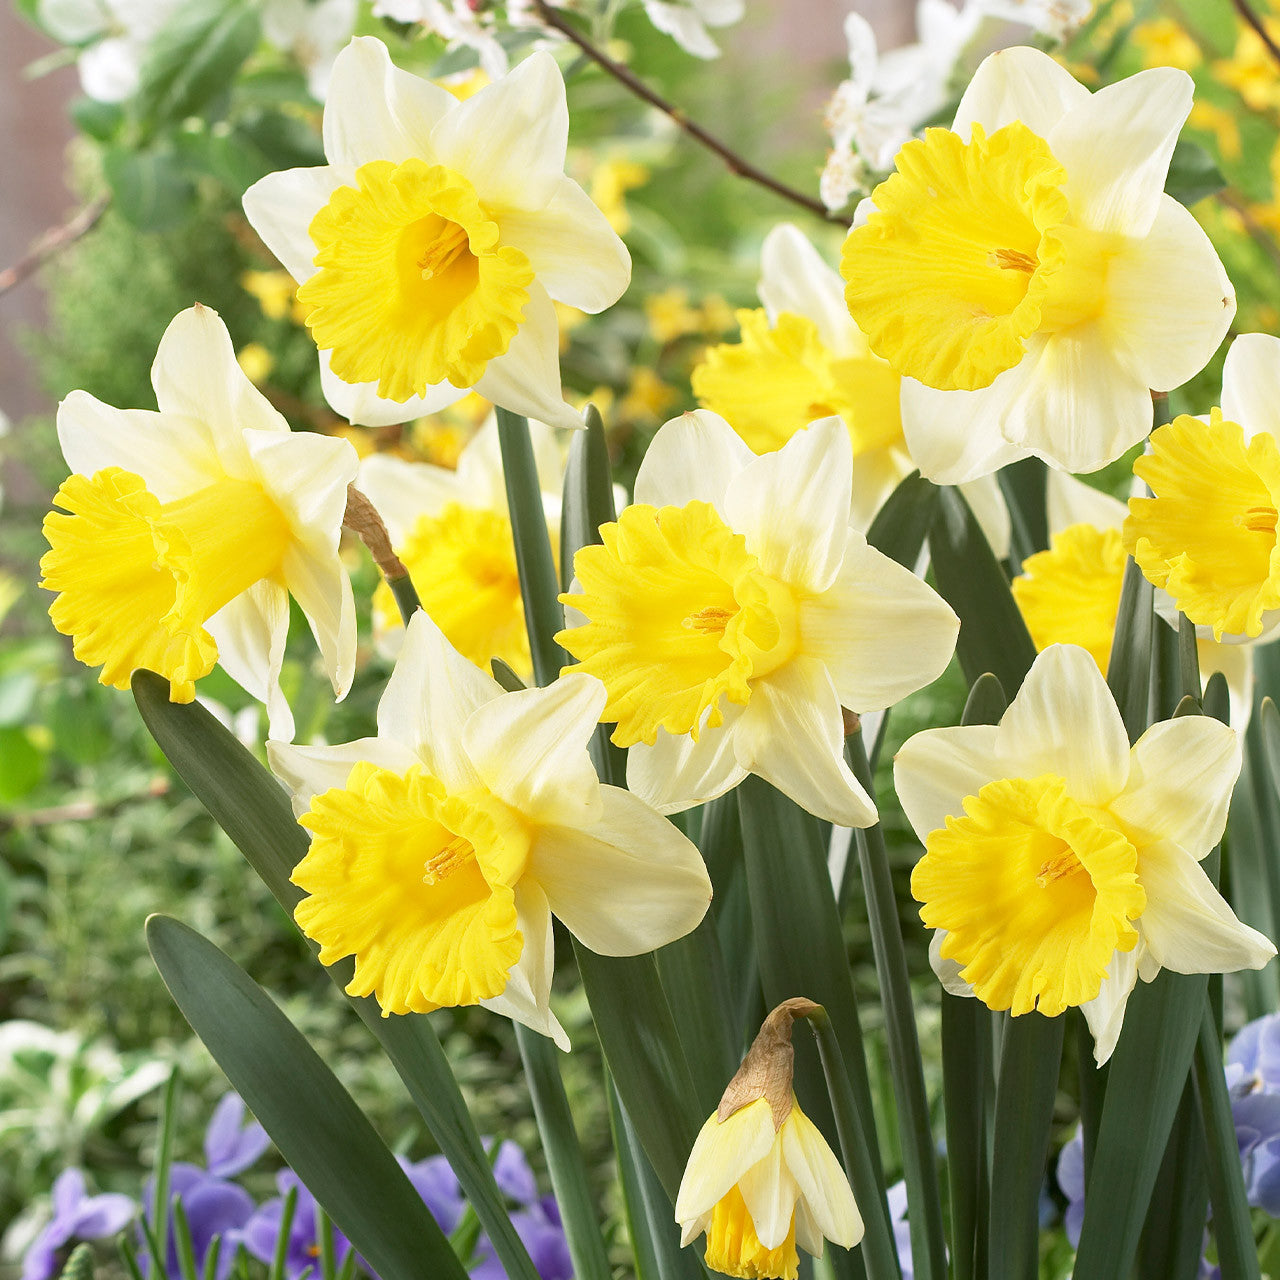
(721, 1154)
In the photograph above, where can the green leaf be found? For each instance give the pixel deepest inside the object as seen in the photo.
(1144, 1088)
(253, 809)
(1173, 1235)
(79, 1266)
(1193, 174)
(902, 523)
(193, 58)
(1024, 487)
(1132, 650)
(993, 636)
(101, 121)
(565, 1164)
(505, 676)
(588, 493)
(321, 1133)
(151, 188)
(22, 764)
(1030, 1058)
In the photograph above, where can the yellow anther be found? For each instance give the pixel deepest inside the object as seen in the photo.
(709, 621)
(457, 853)
(1056, 868)
(1260, 519)
(443, 251)
(1013, 260)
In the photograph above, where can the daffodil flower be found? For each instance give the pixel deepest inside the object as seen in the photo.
(1063, 864)
(188, 529)
(441, 848)
(453, 533)
(802, 358)
(733, 610)
(761, 1178)
(1028, 276)
(1208, 537)
(431, 245)
(1070, 594)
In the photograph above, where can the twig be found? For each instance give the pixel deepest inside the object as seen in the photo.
(1243, 9)
(53, 241)
(735, 163)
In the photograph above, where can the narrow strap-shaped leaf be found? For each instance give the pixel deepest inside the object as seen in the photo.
(798, 937)
(565, 1163)
(588, 492)
(879, 1248)
(1232, 1226)
(655, 1237)
(993, 636)
(1025, 1090)
(1189, 657)
(642, 1049)
(252, 808)
(968, 1079)
(1023, 485)
(902, 524)
(1144, 1088)
(321, 1133)
(920, 1164)
(539, 585)
(1129, 671)
(1173, 1237)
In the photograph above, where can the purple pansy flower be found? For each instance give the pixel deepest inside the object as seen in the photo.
(215, 1209)
(302, 1249)
(897, 1196)
(76, 1216)
(230, 1145)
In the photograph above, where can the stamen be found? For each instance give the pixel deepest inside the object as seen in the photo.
(443, 251)
(1013, 260)
(710, 621)
(1052, 869)
(1260, 519)
(457, 853)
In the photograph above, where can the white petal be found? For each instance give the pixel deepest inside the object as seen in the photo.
(1064, 721)
(1235, 661)
(628, 883)
(196, 374)
(1116, 148)
(792, 735)
(526, 377)
(1181, 775)
(793, 505)
(880, 630)
(876, 474)
(936, 769)
(1168, 300)
(770, 1194)
(527, 996)
(480, 478)
(530, 750)
(110, 70)
(954, 436)
(576, 255)
(692, 458)
(360, 403)
(307, 771)
(375, 111)
(1251, 383)
(795, 277)
(721, 1154)
(1105, 1012)
(1071, 501)
(1077, 404)
(173, 454)
(250, 632)
(676, 773)
(322, 589)
(947, 971)
(822, 1181)
(280, 208)
(509, 140)
(684, 26)
(429, 698)
(403, 492)
(990, 510)
(1187, 924)
(1018, 84)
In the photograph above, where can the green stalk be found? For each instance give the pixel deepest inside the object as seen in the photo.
(920, 1165)
(1030, 1059)
(164, 1158)
(879, 1250)
(1232, 1225)
(565, 1163)
(182, 1238)
(406, 597)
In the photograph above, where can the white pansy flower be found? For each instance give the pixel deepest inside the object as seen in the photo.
(430, 247)
(117, 33)
(686, 21)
